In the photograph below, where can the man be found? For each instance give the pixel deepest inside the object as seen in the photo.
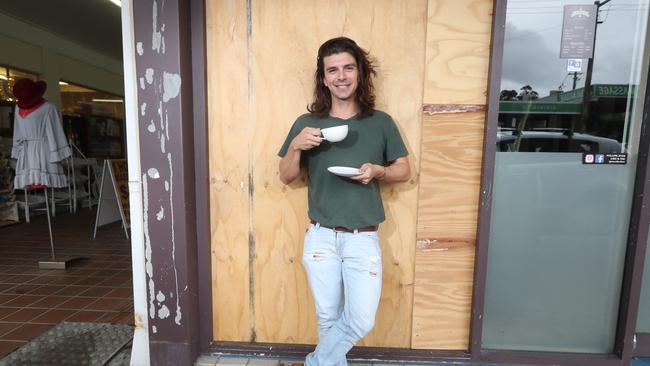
(341, 250)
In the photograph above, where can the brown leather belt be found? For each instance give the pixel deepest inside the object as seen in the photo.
(345, 229)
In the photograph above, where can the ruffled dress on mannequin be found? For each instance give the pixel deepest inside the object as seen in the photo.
(39, 146)
(39, 143)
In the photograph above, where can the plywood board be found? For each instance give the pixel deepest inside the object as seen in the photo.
(442, 302)
(446, 232)
(458, 51)
(450, 175)
(285, 38)
(228, 129)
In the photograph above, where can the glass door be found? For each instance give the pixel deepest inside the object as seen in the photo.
(571, 102)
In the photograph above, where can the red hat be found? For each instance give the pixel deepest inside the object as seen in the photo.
(28, 92)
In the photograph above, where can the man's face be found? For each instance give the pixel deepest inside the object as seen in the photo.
(341, 76)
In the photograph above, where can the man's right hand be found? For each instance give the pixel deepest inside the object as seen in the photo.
(307, 139)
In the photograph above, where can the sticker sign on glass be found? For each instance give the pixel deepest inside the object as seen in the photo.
(604, 158)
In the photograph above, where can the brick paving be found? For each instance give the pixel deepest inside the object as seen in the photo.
(96, 289)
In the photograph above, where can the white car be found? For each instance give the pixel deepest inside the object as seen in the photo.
(556, 141)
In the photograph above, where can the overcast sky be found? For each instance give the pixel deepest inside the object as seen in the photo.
(532, 44)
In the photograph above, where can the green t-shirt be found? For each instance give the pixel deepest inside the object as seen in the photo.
(339, 201)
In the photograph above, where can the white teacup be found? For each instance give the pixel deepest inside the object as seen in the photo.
(335, 134)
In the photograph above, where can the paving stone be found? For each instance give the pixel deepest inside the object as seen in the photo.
(206, 361)
(263, 362)
(233, 361)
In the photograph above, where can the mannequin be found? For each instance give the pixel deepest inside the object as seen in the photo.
(39, 144)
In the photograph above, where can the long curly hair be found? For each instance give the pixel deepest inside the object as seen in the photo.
(365, 93)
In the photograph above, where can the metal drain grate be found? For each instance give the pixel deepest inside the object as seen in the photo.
(68, 344)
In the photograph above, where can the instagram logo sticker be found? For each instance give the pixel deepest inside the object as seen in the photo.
(589, 158)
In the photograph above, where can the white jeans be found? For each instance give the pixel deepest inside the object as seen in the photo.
(344, 272)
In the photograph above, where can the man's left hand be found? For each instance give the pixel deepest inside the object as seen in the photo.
(368, 173)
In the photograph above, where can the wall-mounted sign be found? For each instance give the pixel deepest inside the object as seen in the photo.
(574, 65)
(578, 30)
(604, 158)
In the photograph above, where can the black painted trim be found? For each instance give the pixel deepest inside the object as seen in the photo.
(487, 177)
(201, 167)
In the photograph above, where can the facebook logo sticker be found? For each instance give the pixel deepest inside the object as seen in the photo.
(600, 158)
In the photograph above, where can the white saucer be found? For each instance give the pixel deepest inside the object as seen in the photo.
(344, 171)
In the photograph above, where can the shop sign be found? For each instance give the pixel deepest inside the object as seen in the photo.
(113, 202)
(600, 91)
(120, 171)
(578, 30)
(574, 65)
(621, 90)
(539, 107)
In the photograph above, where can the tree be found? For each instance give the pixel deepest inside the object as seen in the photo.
(508, 95)
(527, 93)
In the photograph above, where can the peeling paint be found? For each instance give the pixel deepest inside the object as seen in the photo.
(143, 108)
(154, 329)
(139, 48)
(153, 173)
(159, 216)
(166, 126)
(167, 186)
(152, 307)
(156, 37)
(148, 74)
(162, 143)
(163, 312)
(171, 86)
(160, 115)
(178, 316)
(160, 297)
(142, 83)
(147, 244)
(152, 127)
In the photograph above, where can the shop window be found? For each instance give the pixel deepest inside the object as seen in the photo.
(93, 120)
(567, 146)
(8, 77)
(643, 320)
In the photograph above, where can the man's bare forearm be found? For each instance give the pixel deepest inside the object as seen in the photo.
(398, 171)
(290, 165)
